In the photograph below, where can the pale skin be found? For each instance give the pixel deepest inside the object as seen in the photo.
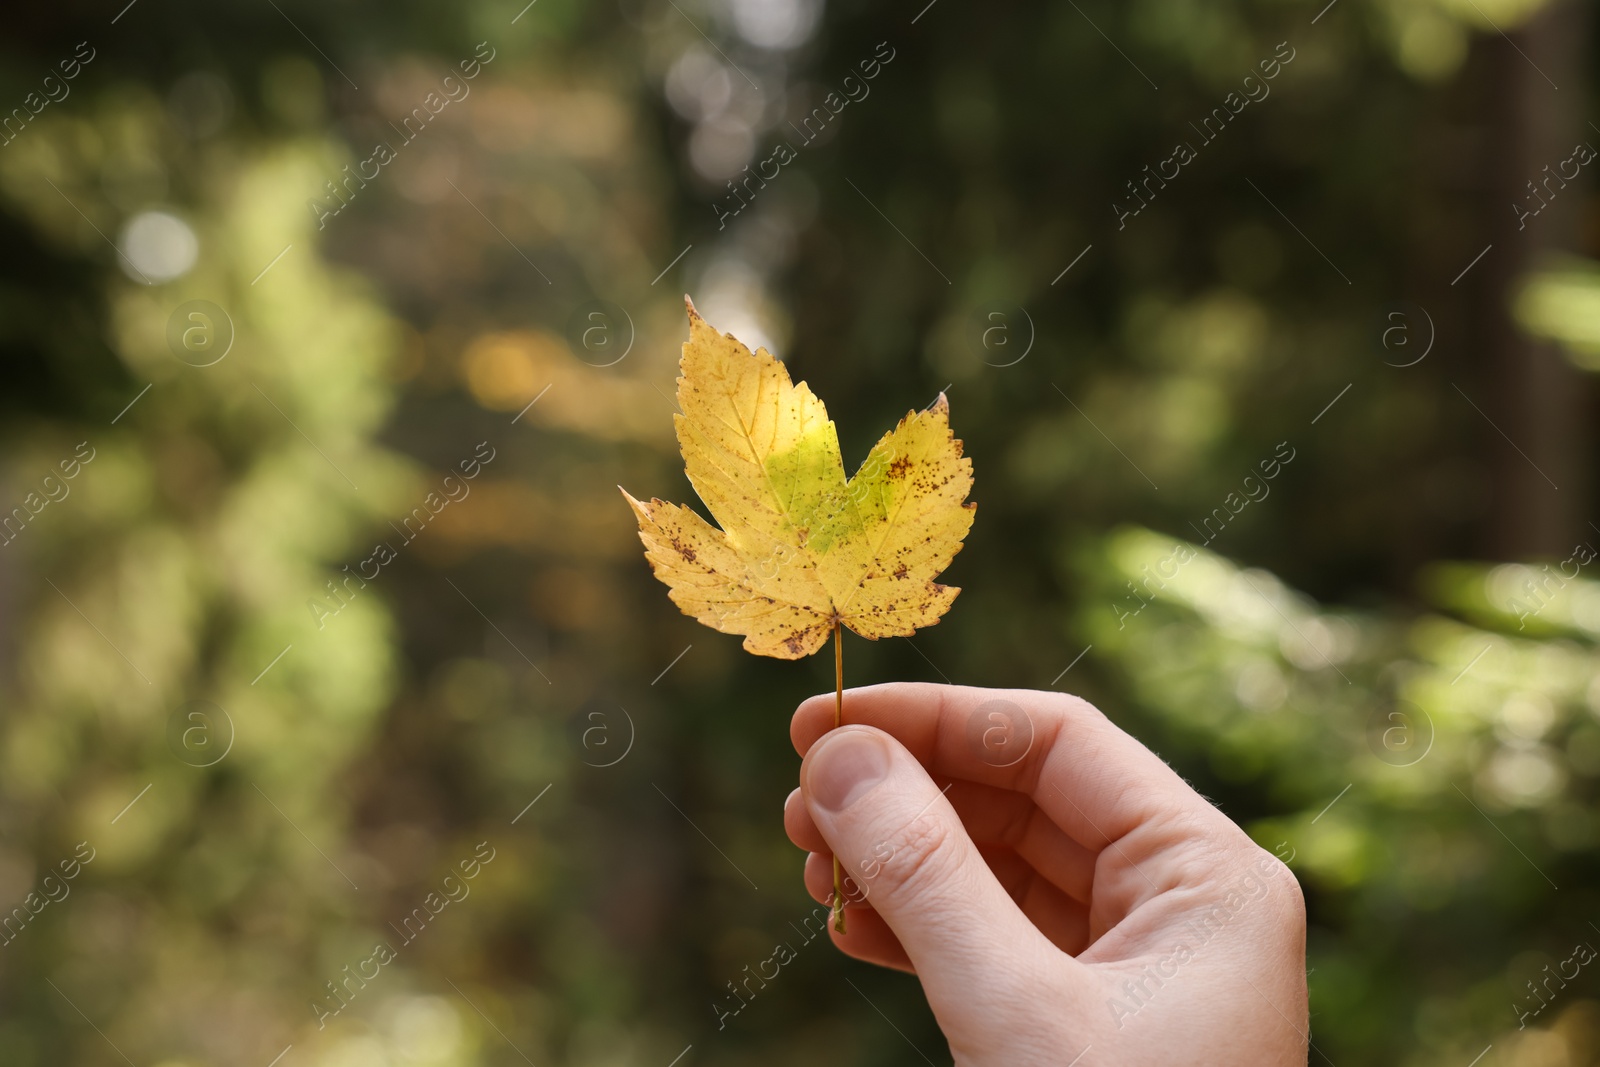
(1080, 901)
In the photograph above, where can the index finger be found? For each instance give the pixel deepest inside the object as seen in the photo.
(1092, 779)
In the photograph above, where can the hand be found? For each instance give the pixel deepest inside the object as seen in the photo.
(1058, 890)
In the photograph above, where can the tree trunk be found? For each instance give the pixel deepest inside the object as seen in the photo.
(1539, 400)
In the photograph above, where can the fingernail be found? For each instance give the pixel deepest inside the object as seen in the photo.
(846, 764)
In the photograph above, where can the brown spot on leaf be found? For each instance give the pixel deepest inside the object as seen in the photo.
(684, 550)
(899, 467)
(900, 571)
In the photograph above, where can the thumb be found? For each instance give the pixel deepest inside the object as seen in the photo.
(902, 843)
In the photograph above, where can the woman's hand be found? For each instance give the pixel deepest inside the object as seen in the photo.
(1063, 896)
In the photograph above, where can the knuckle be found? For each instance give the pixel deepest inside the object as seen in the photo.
(1283, 886)
(926, 853)
(1075, 707)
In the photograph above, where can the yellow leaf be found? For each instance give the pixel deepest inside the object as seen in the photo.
(801, 549)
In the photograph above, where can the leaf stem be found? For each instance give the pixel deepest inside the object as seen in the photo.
(838, 720)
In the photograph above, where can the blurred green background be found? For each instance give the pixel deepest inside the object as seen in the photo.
(1385, 666)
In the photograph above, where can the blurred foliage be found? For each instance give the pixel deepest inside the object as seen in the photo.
(1563, 304)
(1412, 723)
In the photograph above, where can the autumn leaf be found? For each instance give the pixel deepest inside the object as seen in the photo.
(801, 549)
